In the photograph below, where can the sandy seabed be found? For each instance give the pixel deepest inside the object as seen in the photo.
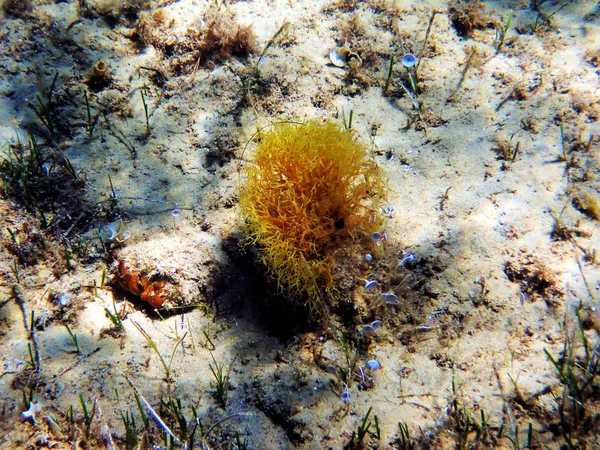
(124, 128)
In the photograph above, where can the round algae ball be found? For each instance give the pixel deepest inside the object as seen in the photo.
(310, 188)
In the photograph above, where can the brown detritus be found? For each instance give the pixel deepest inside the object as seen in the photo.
(346, 5)
(505, 148)
(43, 181)
(536, 279)
(588, 204)
(468, 16)
(152, 29)
(221, 37)
(530, 124)
(17, 8)
(428, 119)
(363, 69)
(221, 149)
(593, 57)
(113, 12)
(29, 244)
(139, 284)
(354, 33)
(583, 104)
(357, 79)
(478, 55)
(563, 231)
(520, 92)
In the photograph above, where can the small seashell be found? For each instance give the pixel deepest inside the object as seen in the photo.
(368, 330)
(34, 408)
(409, 60)
(100, 68)
(330, 368)
(64, 299)
(373, 365)
(339, 56)
(391, 299)
(376, 325)
(368, 257)
(370, 283)
(176, 212)
(123, 236)
(346, 396)
(409, 258)
(112, 229)
(99, 75)
(375, 236)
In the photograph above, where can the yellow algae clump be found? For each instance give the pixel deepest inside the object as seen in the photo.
(311, 190)
(588, 204)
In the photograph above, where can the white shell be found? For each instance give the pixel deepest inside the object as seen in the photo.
(391, 299)
(373, 365)
(123, 236)
(339, 56)
(370, 283)
(64, 299)
(345, 397)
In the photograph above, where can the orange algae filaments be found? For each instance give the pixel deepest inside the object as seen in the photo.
(311, 190)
